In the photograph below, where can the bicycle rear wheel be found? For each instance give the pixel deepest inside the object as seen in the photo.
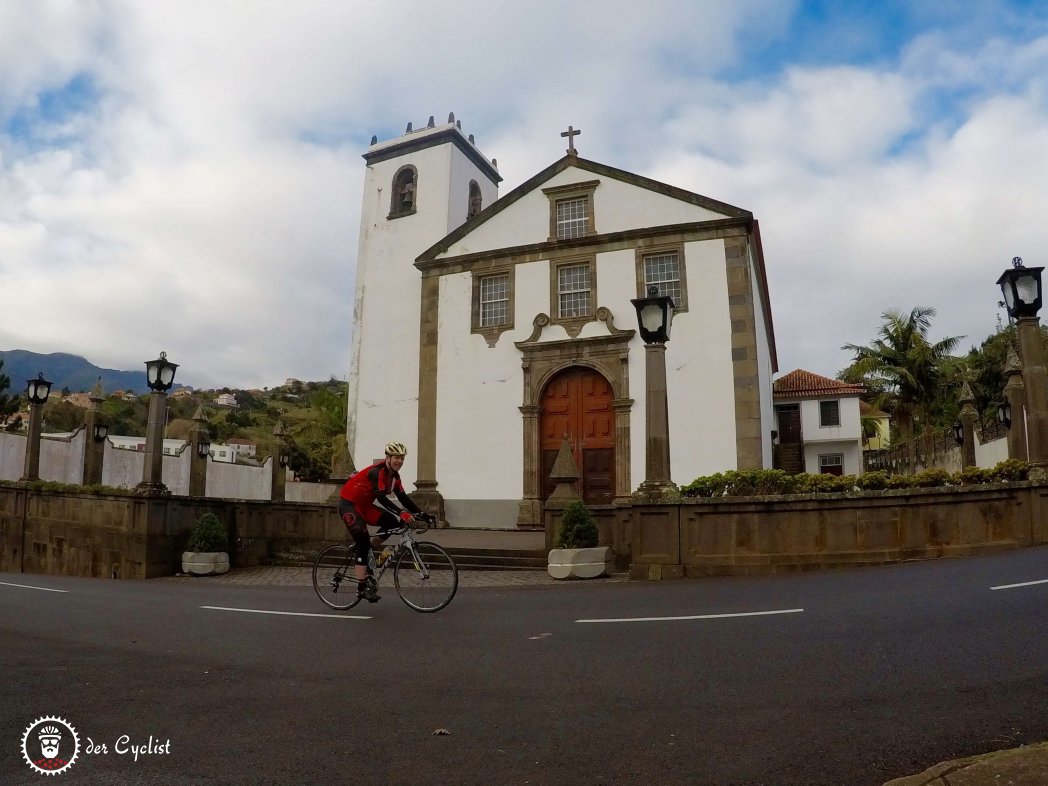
(427, 579)
(334, 577)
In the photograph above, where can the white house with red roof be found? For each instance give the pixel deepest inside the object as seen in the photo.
(817, 424)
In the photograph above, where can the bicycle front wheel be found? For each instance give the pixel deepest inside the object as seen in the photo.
(425, 577)
(334, 577)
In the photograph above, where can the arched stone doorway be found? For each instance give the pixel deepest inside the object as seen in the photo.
(579, 403)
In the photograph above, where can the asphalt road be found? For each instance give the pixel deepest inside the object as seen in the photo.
(858, 677)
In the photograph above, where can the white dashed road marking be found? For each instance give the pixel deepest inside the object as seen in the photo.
(700, 616)
(26, 586)
(1024, 584)
(287, 613)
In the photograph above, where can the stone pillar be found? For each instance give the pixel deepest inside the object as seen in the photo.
(152, 473)
(968, 416)
(32, 445)
(1015, 395)
(198, 437)
(1035, 380)
(657, 485)
(426, 495)
(623, 451)
(94, 449)
(530, 513)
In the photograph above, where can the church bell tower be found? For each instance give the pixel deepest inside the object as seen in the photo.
(418, 188)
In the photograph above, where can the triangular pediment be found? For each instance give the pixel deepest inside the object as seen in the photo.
(519, 218)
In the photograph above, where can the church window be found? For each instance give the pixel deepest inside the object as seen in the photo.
(573, 291)
(663, 268)
(571, 213)
(403, 199)
(494, 300)
(572, 218)
(475, 199)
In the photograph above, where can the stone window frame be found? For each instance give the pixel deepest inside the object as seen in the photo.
(491, 333)
(474, 200)
(822, 413)
(557, 194)
(394, 211)
(655, 250)
(573, 325)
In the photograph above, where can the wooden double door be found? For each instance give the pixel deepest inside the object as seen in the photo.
(578, 402)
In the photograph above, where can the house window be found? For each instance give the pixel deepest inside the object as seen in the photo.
(663, 268)
(475, 199)
(494, 300)
(831, 464)
(571, 210)
(829, 413)
(405, 184)
(573, 291)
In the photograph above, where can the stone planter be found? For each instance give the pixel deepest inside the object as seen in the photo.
(205, 563)
(581, 563)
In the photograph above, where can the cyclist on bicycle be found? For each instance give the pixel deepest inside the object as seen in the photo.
(365, 501)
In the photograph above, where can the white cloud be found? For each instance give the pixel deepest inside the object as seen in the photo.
(205, 200)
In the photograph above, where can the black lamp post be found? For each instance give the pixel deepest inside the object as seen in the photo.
(1021, 287)
(160, 376)
(37, 391)
(654, 317)
(99, 432)
(958, 432)
(203, 449)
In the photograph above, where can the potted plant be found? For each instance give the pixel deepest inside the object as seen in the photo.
(207, 554)
(577, 555)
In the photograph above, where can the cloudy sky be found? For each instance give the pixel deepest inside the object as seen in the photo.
(186, 176)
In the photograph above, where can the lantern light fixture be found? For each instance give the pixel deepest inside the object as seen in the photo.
(1021, 287)
(1004, 414)
(160, 373)
(38, 389)
(654, 316)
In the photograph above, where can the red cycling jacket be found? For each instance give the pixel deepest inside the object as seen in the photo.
(374, 484)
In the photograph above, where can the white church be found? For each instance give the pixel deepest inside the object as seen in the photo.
(487, 330)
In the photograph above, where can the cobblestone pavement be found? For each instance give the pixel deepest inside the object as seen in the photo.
(281, 576)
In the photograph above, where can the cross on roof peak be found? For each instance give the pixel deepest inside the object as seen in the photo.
(571, 133)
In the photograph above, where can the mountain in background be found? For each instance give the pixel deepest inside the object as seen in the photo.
(67, 371)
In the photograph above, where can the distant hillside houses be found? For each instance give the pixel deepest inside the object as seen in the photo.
(233, 451)
(226, 400)
(172, 447)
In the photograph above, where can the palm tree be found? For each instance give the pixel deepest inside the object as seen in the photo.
(911, 371)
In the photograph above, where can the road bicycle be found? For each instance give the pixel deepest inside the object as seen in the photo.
(424, 574)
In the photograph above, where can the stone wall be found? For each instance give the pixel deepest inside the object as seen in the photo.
(738, 536)
(133, 537)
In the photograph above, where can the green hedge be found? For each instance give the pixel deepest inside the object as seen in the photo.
(46, 486)
(761, 482)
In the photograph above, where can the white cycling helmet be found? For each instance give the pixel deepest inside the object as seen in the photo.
(396, 449)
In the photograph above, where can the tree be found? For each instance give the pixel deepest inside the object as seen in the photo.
(912, 372)
(8, 404)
